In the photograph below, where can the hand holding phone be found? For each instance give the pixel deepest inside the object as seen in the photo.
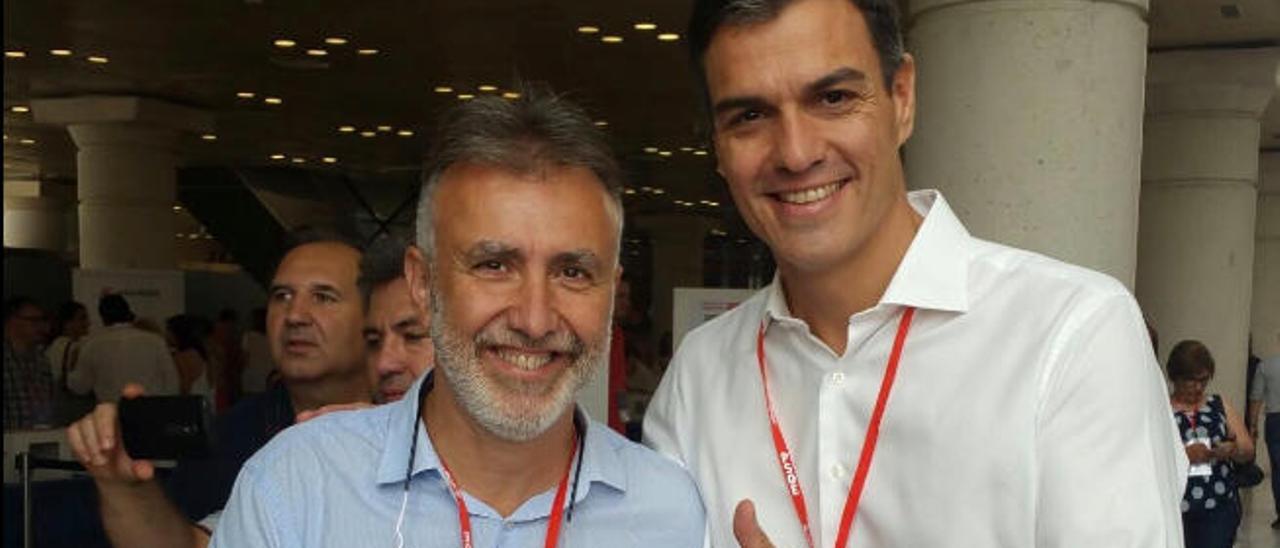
(166, 427)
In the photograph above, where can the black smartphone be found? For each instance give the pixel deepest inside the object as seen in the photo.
(166, 427)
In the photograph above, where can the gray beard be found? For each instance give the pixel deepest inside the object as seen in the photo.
(512, 410)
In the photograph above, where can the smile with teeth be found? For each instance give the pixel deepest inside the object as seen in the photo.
(527, 361)
(809, 195)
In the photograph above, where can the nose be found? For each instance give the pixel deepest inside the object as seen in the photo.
(297, 312)
(533, 313)
(797, 145)
(391, 358)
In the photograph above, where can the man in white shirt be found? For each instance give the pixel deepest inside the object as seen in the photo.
(900, 383)
(120, 354)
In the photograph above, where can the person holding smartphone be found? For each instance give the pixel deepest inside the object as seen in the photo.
(1215, 437)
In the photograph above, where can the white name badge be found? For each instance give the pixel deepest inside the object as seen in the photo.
(1204, 468)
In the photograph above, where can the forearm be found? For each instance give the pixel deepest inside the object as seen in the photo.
(1255, 409)
(140, 515)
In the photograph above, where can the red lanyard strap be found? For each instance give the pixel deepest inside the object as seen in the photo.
(557, 506)
(786, 461)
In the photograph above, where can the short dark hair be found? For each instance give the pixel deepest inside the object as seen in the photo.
(15, 304)
(383, 262)
(537, 129)
(63, 315)
(188, 333)
(316, 234)
(709, 16)
(114, 309)
(1188, 360)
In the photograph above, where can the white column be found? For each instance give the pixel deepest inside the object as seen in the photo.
(126, 175)
(1199, 176)
(1029, 120)
(1266, 259)
(37, 215)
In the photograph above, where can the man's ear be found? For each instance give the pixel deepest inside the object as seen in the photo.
(417, 275)
(904, 98)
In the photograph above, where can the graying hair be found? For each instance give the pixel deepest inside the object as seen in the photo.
(538, 129)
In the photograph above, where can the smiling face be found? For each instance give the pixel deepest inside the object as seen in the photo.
(521, 290)
(806, 133)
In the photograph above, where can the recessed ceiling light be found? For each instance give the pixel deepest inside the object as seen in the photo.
(367, 51)
(209, 137)
(20, 108)
(659, 191)
(602, 123)
(298, 160)
(335, 40)
(686, 149)
(588, 29)
(510, 95)
(329, 160)
(15, 54)
(713, 203)
(60, 52)
(699, 153)
(611, 39)
(405, 133)
(346, 129)
(273, 100)
(664, 153)
(277, 156)
(284, 43)
(368, 133)
(317, 52)
(384, 128)
(645, 26)
(487, 88)
(668, 37)
(97, 59)
(629, 191)
(651, 150)
(27, 141)
(177, 209)
(443, 89)
(244, 94)
(465, 96)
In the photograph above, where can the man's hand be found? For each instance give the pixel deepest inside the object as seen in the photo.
(313, 413)
(746, 529)
(96, 442)
(1199, 453)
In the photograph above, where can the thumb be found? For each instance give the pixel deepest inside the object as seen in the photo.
(132, 390)
(747, 529)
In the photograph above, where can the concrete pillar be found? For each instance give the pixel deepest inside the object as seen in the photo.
(677, 259)
(37, 215)
(1029, 120)
(1199, 176)
(126, 172)
(1266, 259)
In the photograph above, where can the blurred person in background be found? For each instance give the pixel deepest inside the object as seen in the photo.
(28, 381)
(258, 364)
(121, 353)
(186, 336)
(70, 325)
(1215, 438)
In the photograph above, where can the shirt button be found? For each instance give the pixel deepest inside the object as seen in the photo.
(838, 471)
(837, 378)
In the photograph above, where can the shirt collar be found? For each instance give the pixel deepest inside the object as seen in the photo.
(934, 273)
(601, 463)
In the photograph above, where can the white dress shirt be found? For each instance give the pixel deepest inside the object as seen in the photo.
(1266, 384)
(119, 354)
(1028, 411)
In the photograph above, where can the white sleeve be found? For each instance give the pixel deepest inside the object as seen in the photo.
(663, 414)
(1111, 471)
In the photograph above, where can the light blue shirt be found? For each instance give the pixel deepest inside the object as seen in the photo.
(338, 480)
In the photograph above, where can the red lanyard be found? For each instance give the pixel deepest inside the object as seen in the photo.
(787, 464)
(557, 507)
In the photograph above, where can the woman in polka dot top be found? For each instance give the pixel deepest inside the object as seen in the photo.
(1215, 438)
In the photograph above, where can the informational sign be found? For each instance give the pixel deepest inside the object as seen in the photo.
(152, 294)
(694, 306)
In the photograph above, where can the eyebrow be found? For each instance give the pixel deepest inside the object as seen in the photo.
(489, 250)
(838, 76)
(312, 287)
(584, 257)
